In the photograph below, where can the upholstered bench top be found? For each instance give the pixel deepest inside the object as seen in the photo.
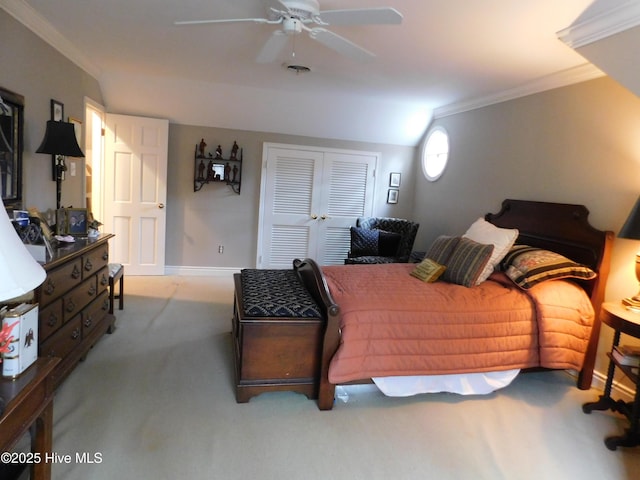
(276, 293)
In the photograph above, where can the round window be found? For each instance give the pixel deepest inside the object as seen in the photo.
(435, 153)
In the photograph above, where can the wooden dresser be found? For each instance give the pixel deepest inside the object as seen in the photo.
(74, 302)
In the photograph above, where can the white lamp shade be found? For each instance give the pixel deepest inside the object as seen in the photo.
(19, 272)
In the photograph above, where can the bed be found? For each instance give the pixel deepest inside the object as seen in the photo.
(376, 314)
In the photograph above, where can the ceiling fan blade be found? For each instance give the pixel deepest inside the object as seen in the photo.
(226, 20)
(362, 16)
(273, 47)
(340, 44)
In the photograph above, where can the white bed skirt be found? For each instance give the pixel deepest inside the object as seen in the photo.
(463, 384)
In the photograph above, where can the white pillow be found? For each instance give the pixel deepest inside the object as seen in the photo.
(502, 240)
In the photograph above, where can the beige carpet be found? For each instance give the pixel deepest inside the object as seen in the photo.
(155, 401)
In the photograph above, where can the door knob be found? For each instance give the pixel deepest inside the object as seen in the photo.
(161, 205)
(324, 217)
(314, 216)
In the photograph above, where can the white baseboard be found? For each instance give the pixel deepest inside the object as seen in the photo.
(618, 390)
(200, 271)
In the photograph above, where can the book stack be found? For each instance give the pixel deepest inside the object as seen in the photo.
(632, 304)
(627, 355)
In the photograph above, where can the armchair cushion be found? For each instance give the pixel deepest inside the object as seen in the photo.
(395, 240)
(366, 242)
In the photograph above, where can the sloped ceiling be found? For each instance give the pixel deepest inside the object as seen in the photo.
(608, 35)
(446, 56)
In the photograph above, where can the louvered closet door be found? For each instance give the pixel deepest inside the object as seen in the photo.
(310, 198)
(347, 193)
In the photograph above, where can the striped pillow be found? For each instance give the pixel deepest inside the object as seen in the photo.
(527, 266)
(442, 248)
(467, 262)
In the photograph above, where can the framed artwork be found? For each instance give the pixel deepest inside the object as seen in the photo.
(57, 110)
(394, 180)
(57, 114)
(77, 127)
(76, 221)
(392, 195)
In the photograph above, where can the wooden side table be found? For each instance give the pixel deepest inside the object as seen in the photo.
(622, 320)
(29, 401)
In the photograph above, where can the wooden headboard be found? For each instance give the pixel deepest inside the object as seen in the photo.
(564, 228)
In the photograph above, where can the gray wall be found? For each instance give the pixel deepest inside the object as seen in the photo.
(197, 222)
(37, 71)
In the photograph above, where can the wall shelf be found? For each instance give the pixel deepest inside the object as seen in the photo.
(214, 168)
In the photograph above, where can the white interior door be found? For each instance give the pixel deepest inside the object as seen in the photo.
(135, 191)
(310, 197)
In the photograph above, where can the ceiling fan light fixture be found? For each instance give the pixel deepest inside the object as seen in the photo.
(303, 9)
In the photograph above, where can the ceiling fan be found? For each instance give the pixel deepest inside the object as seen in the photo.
(295, 16)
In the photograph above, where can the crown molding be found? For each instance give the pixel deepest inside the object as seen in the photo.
(578, 74)
(615, 20)
(35, 22)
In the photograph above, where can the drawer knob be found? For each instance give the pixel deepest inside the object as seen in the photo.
(75, 334)
(49, 287)
(92, 290)
(70, 306)
(104, 280)
(88, 266)
(88, 321)
(53, 320)
(76, 272)
(105, 256)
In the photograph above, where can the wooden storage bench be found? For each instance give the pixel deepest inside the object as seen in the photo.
(277, 332)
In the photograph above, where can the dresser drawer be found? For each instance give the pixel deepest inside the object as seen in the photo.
(60, 281)
(74, 301)
(95, 260)
(95, 313)
(103, 279)
(61, 343)
(50, 319)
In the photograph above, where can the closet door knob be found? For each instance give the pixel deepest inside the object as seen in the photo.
(161, 205)
(314, 217)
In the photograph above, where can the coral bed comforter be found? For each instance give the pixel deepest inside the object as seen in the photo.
(394, 324)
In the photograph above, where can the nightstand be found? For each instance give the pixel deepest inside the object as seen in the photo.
(624, 321)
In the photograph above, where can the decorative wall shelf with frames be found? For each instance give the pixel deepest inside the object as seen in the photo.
(214, 168)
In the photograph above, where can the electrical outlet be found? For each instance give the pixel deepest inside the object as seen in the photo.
(220, 248)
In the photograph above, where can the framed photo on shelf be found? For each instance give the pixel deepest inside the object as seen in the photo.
(392, 195)
(394, 180)
(72, 221)
(76, 221)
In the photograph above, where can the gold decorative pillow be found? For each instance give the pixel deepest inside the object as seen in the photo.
(428, 270)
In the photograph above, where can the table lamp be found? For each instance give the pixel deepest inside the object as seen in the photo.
(631, 230)
(19, 272)
(60, 141)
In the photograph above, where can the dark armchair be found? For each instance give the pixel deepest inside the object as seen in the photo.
(381, 240)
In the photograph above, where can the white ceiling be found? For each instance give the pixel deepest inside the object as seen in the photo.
(447, 55)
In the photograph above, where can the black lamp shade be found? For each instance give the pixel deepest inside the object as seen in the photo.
(631, 228)
(60, 139)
